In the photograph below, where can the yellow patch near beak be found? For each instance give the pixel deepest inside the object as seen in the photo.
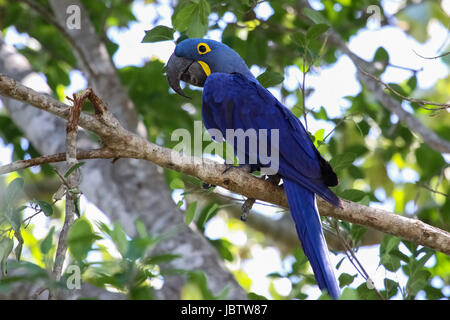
(205, 67)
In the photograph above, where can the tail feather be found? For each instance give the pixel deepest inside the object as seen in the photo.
(309, 229)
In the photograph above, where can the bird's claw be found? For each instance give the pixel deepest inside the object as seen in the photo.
(244, 167)
(207, 186)
(246, 207)
(274, 179)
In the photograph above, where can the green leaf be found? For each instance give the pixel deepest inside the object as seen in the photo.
(158, 33)
(210, 212)
(182, 18)
(338, 265)
(18, 250)
(365, 200)
(73, 168)
(381, 55)
(190, 212)
(162, 258)
(429, 161)
(433, 293)
(45, 207)
(223, 246)
(204, 11)
(81, 238)
(6, 246)
(299, 39)
(345, 279)
(141, 229)
(318, 137)
(391, 287)
(14, 218)
(417, 282)
(270, 78)
(365, 293)
(353, 194)
(315, 16)
(14, 190)
(136, 247)
(176, 184)
(119, 238)
(255, 296)
(342, 161)
(46, 244)
(412, 83)
(387, 259)
(316, 30)
(198, 278)
(349, 294)
(192, 18)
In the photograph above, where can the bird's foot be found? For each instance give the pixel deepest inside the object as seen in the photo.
(207, 186)
(274, 179)
(244, 167)
(246, 207)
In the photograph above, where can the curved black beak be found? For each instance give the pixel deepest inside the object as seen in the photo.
(179, 68)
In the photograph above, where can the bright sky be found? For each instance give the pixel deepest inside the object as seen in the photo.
(331, 85)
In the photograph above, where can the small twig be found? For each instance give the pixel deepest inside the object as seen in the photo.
(352, 257)
(337, 125)
(441, 176)
(404, 68)
(103, 153)
(38, 292)
(422, 185)
(432, 58)
(441, 106)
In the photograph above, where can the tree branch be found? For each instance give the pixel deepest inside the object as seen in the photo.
(129, 145)
(103, 153)
(389, 102)
(281, 231)
(72, 182)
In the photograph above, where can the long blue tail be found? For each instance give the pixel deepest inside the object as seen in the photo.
(309, 229)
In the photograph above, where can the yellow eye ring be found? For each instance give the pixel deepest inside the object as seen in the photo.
(203, 48)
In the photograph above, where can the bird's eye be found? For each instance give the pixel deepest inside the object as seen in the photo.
(203, 48)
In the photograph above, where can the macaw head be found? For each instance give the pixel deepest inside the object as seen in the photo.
(195, 59)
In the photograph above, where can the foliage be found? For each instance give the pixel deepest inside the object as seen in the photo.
(373, 153)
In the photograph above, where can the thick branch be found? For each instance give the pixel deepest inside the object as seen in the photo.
(129, 145)
(103, 153)
(281, 231)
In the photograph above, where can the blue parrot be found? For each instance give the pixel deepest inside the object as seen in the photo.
(233, 99)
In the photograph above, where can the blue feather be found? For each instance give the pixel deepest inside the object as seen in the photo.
(309, 229)
(233, 99)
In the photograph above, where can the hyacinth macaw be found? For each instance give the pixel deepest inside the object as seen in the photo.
(232, 98)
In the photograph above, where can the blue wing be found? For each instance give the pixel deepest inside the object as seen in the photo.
(231, 101)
